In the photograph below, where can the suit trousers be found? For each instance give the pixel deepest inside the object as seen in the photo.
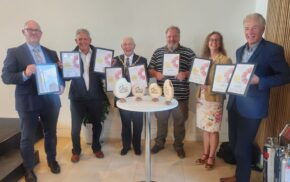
(29, 122)
(79, 109)
(180, 115)
(242, 132)
(137, 119)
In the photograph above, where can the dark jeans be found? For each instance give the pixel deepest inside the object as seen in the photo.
(29, 122)
(137, 119)
(79, 108)
(242, 132)
(180, 115)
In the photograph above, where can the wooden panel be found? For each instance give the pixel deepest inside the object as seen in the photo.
(278, 31)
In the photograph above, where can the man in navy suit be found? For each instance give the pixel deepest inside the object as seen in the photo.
(19, 69)
(129, 58)
(246, 112)
(86, 96)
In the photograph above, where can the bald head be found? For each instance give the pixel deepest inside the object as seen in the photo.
(128, 45)
(32, 32)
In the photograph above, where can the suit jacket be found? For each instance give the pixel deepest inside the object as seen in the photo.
(137, 60)
(209, 95)
(272, 70)
(27, 98)
(78, 90)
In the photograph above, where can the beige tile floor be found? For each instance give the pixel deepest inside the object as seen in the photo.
(166, 166)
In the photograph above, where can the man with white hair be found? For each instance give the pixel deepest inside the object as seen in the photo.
(246, 112)
(129, 58)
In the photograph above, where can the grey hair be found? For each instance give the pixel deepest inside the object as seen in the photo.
(83, 30)
(173, 28)
(257, 17)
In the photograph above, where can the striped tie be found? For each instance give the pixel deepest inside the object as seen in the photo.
(37, 56)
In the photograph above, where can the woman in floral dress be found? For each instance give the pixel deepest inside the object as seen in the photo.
(209, 107)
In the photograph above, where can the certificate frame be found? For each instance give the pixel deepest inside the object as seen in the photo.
(222, 77)
(138, 75)
(241, 76)
(71, 64)
(171, 64)
(113, 74)
(103, 59)
(199, 70)
(47, 79)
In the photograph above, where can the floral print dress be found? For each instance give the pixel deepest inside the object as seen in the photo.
(208, 114)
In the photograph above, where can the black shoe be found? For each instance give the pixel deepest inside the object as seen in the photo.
(180, 153)
(124, 151)
(30, 176)
(54, 167)
(137, 151)
(155, 149)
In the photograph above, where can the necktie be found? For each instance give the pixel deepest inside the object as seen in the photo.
(127, 62)
(37, 56)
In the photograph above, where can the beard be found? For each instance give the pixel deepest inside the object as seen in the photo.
(172, 47)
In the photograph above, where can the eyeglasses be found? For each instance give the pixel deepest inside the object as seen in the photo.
(214, 40)
(31, 30)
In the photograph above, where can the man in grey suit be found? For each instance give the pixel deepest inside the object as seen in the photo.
(19, 69)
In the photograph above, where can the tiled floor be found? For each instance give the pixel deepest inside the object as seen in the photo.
(166, 166)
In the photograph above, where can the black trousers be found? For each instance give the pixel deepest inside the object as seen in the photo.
(79, 109)
(127, 136)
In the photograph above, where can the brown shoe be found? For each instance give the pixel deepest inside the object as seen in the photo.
(202, 159)
(99, 154)
(228, 179)
(210, 165)
(75, 158)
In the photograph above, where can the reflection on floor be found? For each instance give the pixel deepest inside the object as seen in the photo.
(166, 166)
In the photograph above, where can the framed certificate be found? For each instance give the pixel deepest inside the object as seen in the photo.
(103, 59)
(222, 77)
(71, 64)
(47, 79)
(240, 80)
(170, 64)
(112, 76)
(138, 75)
(199, 70)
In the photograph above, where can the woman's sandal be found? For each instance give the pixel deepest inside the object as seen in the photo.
(202, 159)
(210, 165)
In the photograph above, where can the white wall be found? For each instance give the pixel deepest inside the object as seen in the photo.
(110, 20)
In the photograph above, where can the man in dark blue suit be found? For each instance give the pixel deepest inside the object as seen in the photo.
(86, 96)
(129, 58)
(246, 112)
(19, 69)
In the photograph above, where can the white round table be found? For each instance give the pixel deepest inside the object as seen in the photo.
(146, 105)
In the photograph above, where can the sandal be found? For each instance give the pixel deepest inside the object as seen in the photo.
(210, 165)
(202, 159)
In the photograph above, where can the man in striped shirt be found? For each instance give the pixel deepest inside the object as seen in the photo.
(181, 90)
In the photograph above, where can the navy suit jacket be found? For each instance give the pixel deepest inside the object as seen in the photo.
(27, 98)
(78, 90)
(272, 70)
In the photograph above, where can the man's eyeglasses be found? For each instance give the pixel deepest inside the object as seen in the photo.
(30, 30)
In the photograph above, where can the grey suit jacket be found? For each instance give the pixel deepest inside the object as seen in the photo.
(27, 98)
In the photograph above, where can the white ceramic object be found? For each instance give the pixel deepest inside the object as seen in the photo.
(168, 91)
(122, 88)
(155, 91)
(138, 91)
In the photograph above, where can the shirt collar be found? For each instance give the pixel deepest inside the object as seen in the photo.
(253, 48)
(33, 47)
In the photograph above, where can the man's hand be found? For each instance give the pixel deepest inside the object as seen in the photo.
(61, 90)
(182, 75)
(159, 76)
(59, 64)
(30, 69)
(255, 80)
